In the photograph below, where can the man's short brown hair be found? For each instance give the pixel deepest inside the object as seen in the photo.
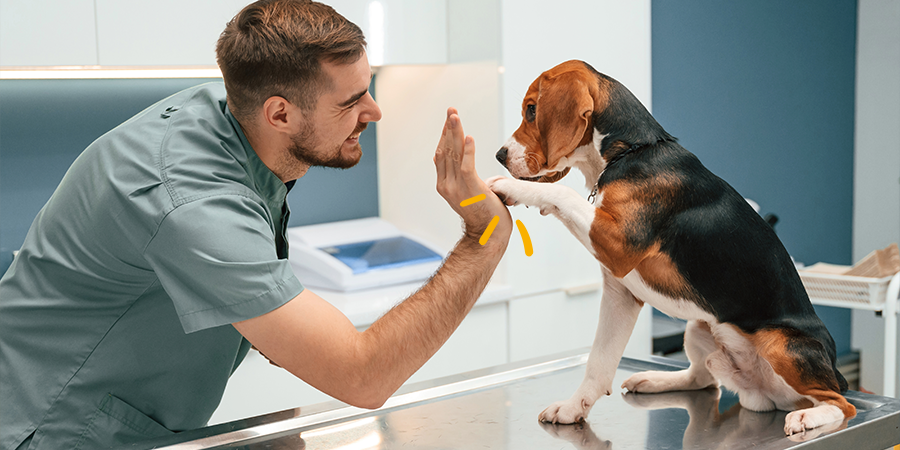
(276, 47)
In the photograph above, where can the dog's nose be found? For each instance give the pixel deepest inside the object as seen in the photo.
(501, 156)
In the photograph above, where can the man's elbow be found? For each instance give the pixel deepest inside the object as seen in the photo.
(368, 398)
(364, 390)
(372, 403)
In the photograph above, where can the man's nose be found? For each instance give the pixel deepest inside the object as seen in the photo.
(501, 156)
(372, 112)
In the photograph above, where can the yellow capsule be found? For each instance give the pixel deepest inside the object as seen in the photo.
(472, 200)
(526, 239)
(490, 229)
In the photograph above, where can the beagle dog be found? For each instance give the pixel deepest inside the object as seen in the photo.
(668, 232)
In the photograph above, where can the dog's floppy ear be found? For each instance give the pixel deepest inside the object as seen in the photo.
(564, 113)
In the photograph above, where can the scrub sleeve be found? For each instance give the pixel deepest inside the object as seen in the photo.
(198, 270)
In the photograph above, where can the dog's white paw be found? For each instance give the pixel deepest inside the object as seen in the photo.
(518, 192)
(568, 411)
(505, 188)
(803, 420)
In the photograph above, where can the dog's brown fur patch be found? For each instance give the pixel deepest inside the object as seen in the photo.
(773, 346)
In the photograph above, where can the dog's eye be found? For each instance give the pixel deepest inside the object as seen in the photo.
(530, 113)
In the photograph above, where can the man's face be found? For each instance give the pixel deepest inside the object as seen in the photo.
(330, 138)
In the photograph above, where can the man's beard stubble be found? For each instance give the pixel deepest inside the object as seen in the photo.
(305, 140)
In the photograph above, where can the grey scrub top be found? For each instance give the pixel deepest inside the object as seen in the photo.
(115, 316)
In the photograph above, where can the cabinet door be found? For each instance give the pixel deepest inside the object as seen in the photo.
(555, 322)
(400, 31)
(551, 323)
(162, 32)
(257, 388)
(415, 32)
(172, 32)
(479, 342)
(47, 33)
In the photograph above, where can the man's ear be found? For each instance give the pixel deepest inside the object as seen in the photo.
(281, 115)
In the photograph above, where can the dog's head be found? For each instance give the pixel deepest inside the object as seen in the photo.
(556, 119)
(567, 108)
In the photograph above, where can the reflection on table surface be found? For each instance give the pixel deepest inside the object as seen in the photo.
(505, 416)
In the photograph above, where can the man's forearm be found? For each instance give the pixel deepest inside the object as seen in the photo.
(410, 333)
(313, 340)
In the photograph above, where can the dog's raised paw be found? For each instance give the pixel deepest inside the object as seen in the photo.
(502, 186)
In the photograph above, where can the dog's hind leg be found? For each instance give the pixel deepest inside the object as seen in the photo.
(698, 345)
(618, 313)
(805, 366)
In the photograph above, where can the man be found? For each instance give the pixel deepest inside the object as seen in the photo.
(160, 258)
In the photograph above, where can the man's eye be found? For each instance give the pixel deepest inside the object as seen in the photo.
(530, 113)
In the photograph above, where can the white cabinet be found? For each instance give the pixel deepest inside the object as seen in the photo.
(492, 334)
(258, 387)
(553, 322)
(479, 342)
(400, 31)
(46, 32)
(162, 32)
(184, 32)
(415, 32)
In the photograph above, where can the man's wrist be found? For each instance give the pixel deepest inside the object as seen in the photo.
(473, 239)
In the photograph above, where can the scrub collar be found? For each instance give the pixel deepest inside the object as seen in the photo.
(266, 182)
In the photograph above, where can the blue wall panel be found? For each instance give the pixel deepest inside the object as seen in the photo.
(45, 125)
(762, 92)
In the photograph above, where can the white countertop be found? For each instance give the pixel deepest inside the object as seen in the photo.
(365, 306)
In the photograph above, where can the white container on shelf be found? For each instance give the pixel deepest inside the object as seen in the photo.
(873, 294)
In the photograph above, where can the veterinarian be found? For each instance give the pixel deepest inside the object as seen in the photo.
(162, 254)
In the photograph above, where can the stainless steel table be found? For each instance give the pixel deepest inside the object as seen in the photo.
(498, 408)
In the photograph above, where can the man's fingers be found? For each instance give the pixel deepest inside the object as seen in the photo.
(468, 155)
(443, 153)
(453, 146)
(440, 165)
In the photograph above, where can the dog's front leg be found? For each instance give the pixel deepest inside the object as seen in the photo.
(618, 313)
(562, 201)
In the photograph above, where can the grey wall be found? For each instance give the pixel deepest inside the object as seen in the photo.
(45, 124)
(762, 92)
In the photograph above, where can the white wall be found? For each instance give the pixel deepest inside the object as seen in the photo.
(612, 36)
(414, 101)
(876, 199)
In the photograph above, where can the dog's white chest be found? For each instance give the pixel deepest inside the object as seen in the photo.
(674, 307)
